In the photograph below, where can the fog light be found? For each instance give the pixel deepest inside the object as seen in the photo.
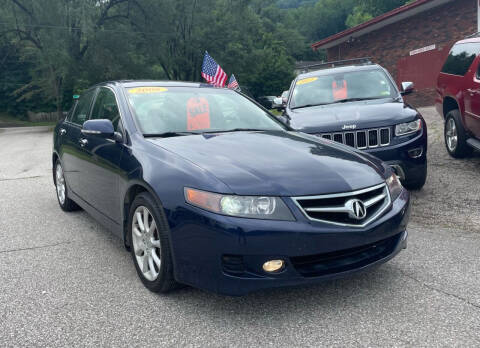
(416, 153)
(273, 266)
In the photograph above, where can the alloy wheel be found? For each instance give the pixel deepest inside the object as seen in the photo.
(451, 135)
(146, 243)
(60, 184)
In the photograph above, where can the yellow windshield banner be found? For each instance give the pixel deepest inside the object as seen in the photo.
(147, 90)
(308, 80)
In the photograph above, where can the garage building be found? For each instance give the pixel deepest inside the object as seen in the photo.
(412, 41)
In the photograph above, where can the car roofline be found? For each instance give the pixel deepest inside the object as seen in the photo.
(342, 69)
(155, 83)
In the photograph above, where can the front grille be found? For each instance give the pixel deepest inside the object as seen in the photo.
(344, 260)
(362, 139)
(338, 208)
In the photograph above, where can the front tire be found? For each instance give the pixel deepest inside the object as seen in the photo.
(417, 182)
(455, 136)
(150, 244)
(62, 191)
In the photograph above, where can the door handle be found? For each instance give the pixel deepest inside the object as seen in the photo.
(83, 142)
(62, 131)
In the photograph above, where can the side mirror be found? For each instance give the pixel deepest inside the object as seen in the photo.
(407, 88)
(278, 104)
(103, 128)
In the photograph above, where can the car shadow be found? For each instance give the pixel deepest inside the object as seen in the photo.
(335, 295)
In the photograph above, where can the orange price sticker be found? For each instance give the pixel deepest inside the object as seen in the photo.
(198, 113)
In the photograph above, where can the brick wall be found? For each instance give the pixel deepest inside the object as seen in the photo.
(441, 26)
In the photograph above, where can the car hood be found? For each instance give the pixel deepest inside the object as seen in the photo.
(360, 115)
(276, 163)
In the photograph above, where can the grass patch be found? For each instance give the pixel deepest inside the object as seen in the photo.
(10, 121)
(276, 112)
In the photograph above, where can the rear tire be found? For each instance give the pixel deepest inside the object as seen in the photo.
(456, 136)
(150, 244)
(62, 190)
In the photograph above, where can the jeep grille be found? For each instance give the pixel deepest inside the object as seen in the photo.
(362, 139)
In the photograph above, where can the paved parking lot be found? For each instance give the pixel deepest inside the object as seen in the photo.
(64, 280)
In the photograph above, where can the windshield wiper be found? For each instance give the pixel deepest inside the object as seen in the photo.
(236, 130)
(346, 100)
(168, 134)
(308, 106)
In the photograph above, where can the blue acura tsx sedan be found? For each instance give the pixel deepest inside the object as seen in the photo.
(208, 189)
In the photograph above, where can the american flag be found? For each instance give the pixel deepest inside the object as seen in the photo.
(232, 83)
(212, 72)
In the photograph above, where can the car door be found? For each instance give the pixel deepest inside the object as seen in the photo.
(72, 153)
(472, 99)
(104, 156)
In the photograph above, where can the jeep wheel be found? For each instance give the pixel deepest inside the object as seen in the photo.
(455, 136)
(417, 182)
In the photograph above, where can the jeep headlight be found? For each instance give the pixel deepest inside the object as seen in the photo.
(254, 207)
(408, 128)
(394, 186)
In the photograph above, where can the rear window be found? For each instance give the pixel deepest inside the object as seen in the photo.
(461, 58)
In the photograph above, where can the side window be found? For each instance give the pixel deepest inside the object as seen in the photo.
(71, 111)
(461, 58)
(82, 109)
(106, 107)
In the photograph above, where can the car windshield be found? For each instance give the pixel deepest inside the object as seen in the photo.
(185, 110)
(342, 87)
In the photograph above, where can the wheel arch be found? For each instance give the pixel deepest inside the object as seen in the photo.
(55, 158)
(449, 104)
(132, 191)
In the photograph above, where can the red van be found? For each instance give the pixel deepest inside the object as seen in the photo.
(458, 98)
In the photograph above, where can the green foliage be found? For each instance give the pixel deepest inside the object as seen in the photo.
(368, 9)
(358, 17)
(53, 49)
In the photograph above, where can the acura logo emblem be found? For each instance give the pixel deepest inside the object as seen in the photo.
(356, 209)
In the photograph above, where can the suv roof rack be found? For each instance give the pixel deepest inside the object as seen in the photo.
(473, 35)
(337, 63)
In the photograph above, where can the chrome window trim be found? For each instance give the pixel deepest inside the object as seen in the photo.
(380, 211)
(123, 132)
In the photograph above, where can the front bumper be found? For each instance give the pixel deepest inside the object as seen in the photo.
(225, 255)
(403, 156)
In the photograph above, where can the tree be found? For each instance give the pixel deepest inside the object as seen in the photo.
(367, 9)
(55, 36)
(52, 49)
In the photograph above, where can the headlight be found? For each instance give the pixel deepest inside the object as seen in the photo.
(394, 186)
(408, 128)
(254, 207)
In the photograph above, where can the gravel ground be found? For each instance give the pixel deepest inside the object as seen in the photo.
(451, 196)
(64, 280)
